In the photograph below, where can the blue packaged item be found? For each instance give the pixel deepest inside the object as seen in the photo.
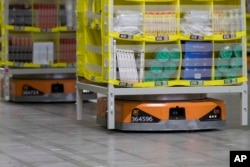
(197, 60)
(196, 74)
(197, 63)
(194, 49)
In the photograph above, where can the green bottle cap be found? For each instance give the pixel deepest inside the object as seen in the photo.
(149, 76)
(170, 67)
(236, 62)
(156, 67)
(175, 54)
(223, 65)
(238, 50)
(163, 55)
(226, 52)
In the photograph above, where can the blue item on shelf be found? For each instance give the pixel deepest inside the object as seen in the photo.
(194, 49)
(197, 60)
(197, 63)
(196, 74)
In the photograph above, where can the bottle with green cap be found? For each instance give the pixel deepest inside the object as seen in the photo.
(232, 73)
(156, 67)
(175, 54)
(170, 67)
(149, 76)
(236, 63)
(222, 65)
(218, 75)
(226, 52)
(237, 50)
(164, 76)
(162, 55)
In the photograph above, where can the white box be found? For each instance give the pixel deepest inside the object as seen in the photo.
(43, 53)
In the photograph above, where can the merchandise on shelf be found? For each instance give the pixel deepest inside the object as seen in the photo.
(197, 22)
(42, 14)
(128, 22)
(20, 14)
(29, 23)
(227, 21)
(20, 48)
(70, 7)
(67, 50)
(197, 60)
(43, 53)
(163, 65)
(229, 62)
(159, 23)
(128, 65)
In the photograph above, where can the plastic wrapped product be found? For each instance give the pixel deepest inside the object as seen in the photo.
(236, 62)
(238, 50)
(149, 76)
(226, 52)
(156, 67)
(170, 68)
(164, 76)
(175, 54)
(222, 65)
(163, 55)
(129, 22)
(218, 75)
(232, 73)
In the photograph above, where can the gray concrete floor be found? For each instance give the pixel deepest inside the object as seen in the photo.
(48, 135)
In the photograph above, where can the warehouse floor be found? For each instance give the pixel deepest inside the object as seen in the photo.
(48, 135)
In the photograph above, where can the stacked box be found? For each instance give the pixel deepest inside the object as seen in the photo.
(197, 60)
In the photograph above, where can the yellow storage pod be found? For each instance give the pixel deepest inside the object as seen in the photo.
(38, 33)
(152, 43)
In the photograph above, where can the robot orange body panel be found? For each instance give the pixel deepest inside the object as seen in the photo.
(136, 113)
